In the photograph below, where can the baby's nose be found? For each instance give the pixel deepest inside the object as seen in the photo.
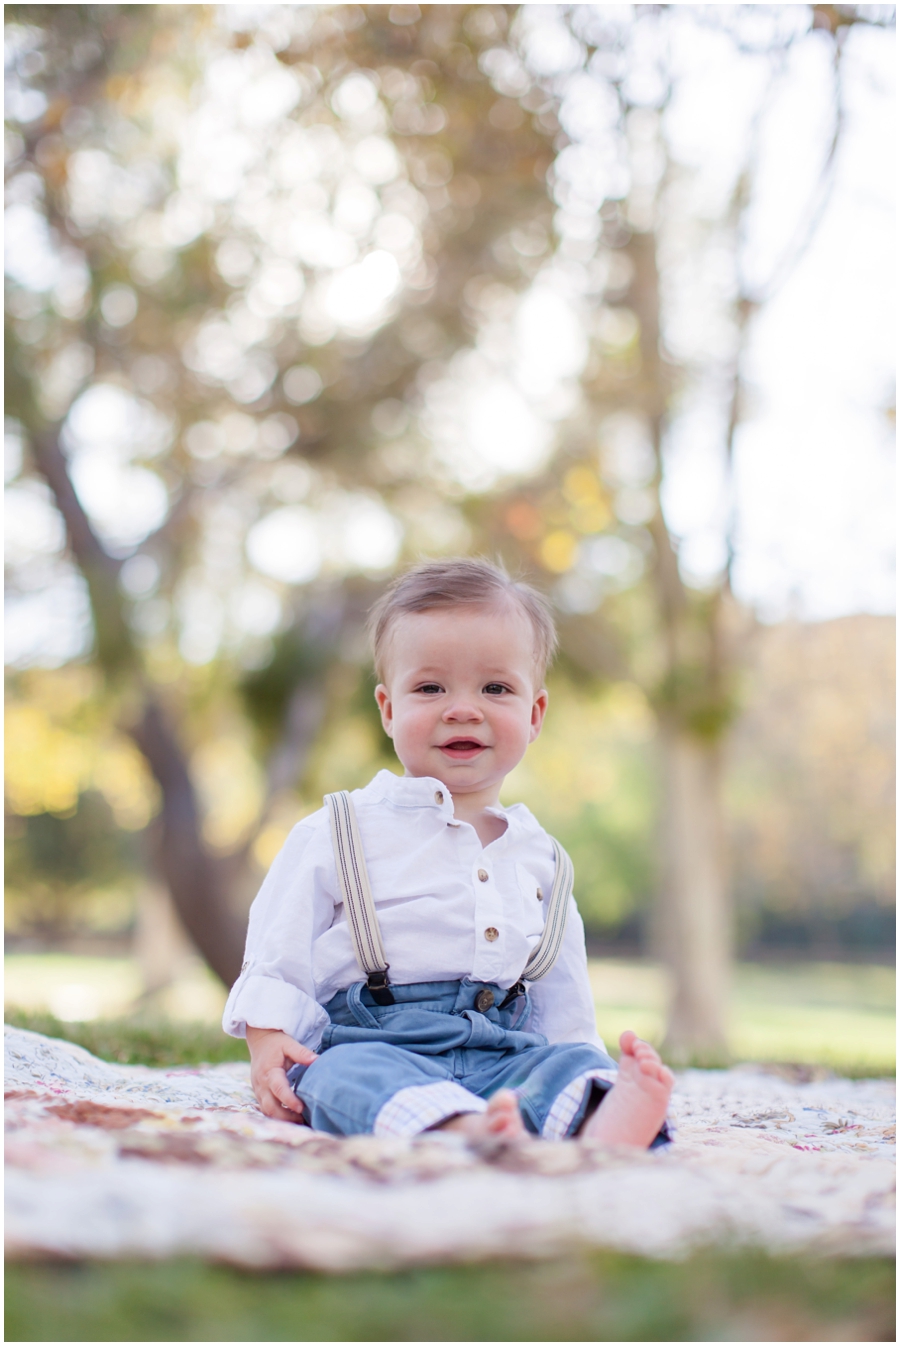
(463, 710)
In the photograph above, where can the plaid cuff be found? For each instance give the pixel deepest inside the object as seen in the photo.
(566, 1106)
(420, 1106)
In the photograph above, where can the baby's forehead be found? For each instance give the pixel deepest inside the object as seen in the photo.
(499, 633)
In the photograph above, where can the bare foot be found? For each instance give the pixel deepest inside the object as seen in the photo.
(635, 1108)
(501, 1121)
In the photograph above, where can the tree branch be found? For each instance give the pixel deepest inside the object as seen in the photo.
(114, 645)
(821, 197)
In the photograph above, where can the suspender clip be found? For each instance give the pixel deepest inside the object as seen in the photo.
(512, 994)
(379, 984)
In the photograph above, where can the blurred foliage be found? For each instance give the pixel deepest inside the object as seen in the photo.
(62, 740)
(301, 656)
(589, 778)
(134, 1042)
(70, 874)
(721, 1295)
(811, 787)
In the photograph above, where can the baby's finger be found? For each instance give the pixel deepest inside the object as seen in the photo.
(277, 1083)
(272, 1108)
(294, 1052)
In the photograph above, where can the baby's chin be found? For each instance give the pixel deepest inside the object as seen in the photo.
(442, 766)
(460, 772)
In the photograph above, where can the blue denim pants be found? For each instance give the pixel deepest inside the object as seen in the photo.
(434, 1035)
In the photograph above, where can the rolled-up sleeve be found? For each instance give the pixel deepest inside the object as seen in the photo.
(276, 988)
(562, 1001)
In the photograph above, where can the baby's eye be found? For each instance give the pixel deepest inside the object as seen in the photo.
(495, 689)
(431, 688)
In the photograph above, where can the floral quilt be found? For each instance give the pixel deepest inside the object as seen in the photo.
(111, 1161)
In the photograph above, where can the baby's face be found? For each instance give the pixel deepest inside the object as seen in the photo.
(459, 697)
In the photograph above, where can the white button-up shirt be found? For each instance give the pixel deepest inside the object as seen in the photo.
(449, 908)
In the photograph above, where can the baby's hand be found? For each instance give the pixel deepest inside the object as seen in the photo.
(271, 1052)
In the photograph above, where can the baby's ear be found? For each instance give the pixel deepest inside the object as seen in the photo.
(383, 698)
(538, 711)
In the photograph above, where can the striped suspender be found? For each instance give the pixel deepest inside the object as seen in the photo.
(545, 954)
(362, 920)
(547, 951)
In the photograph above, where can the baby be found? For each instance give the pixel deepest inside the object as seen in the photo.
(415, 959)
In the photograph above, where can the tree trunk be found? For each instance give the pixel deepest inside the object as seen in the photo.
(695, 924)
(193, 876)
(692, 916)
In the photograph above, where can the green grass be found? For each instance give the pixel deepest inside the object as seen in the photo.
(837, 1015)
(587, 1297)
(146, 1042)
(78, 986)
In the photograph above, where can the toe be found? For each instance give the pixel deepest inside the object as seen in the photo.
(658, 1072)
(647, 1058)
(627, 1041)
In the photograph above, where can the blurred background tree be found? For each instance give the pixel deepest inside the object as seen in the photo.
(298, 293)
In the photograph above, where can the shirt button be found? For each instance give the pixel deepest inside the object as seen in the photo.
(439, 796)
(540, 894)
(483, 875)
(491, 934)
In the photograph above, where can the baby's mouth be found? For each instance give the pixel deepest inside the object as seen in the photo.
(462, 749)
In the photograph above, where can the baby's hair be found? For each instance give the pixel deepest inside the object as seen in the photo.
(461, 581)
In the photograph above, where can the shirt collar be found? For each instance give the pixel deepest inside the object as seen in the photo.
(416, 792)
(422, 792)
